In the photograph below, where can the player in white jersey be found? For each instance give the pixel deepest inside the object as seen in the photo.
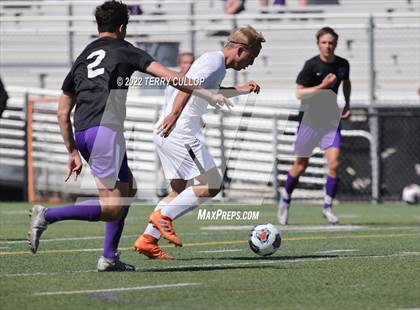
(184, 157)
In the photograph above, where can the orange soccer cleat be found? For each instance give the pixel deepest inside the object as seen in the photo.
(148, 245)
(164, 225)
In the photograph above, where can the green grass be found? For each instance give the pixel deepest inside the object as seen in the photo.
(377, 265)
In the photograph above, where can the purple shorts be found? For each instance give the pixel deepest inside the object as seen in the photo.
(104, 149)
(308, 138)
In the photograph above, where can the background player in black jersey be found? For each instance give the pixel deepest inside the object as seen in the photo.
(96, 86)
(321, 73)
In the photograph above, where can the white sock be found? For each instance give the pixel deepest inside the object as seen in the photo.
(150, 229)
(183, 203)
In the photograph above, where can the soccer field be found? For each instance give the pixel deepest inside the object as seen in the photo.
(370, 261)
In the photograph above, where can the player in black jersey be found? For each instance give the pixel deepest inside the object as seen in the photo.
(96, 86)
(317, 87)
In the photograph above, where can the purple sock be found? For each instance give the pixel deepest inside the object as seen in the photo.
(290, 185)
(113, 231)
(88, 210)
(330, 190)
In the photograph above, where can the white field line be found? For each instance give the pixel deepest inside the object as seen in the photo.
(92, 238)
(15, 212)
(350, 216)
(91, 250)
(404, 254)
(268, 261)
(220, 251)
(118, 289)
(336, 251)
(314, 228)
(310, 228)
(410, 253)
(63, 239)
(208, 230)
(12, 275)
(175, 267)
(396, 228)
(263, 261)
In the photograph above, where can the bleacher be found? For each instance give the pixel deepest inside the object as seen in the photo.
(35, 51)
(40, 39)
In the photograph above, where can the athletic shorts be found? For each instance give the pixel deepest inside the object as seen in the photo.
(308, 138)
(183, 158)
(104, 149)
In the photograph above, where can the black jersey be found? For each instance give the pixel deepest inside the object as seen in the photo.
(315, 70)
(97, 79)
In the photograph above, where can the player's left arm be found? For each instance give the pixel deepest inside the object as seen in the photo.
(240, 89)
(346, 91)
(65, 105)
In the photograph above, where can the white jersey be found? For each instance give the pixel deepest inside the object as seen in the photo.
(169, 92)
(209, 68)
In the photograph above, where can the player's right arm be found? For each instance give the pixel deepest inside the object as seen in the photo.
(302, 91)
(65, 105)
(170, 120)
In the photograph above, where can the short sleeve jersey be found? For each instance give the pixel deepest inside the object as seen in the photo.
(210, 68)
(315, 70)
(98, 81)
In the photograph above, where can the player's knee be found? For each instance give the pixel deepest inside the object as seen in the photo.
(132, 185)
(178, 186)
(173, 195)
(112, 212)
(132, 191)
(212, 192)
(206, 191)
(301, 167)
(118, 213)
(333, 165)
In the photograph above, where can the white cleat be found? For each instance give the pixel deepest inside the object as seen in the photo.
(283, 215)
(108, 264)
(283, 212)
(329, 215)
(37, 226)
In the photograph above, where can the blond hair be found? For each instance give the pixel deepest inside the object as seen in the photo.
(247, 36)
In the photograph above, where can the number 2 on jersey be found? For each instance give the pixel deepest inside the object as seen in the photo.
(92, 72)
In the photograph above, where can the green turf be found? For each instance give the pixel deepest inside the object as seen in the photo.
(377, 267)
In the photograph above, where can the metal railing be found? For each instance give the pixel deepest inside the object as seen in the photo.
(253, 149)
(385, 74)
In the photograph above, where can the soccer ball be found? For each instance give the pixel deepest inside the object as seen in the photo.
(264, 239)
(411, 194)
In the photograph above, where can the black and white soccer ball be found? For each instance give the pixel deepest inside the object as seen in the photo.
(411, 194)
(264, 239)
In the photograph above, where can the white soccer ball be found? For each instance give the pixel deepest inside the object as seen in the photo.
(411, 194)
(264, 239)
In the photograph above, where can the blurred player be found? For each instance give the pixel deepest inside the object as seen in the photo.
(184, 62)
(184, 157)
(322, 72)
(97, 86)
